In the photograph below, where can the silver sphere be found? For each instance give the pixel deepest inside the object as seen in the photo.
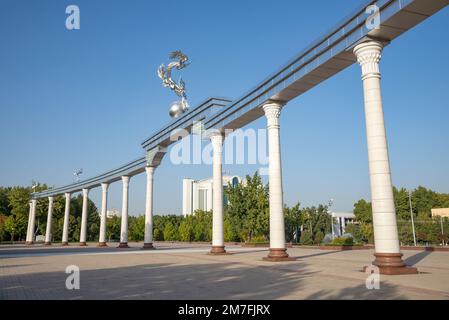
(176, 109)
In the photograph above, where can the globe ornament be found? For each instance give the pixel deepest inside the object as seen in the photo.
(177, 108)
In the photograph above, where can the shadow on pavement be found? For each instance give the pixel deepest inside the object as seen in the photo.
(160, 281)
(411, 261)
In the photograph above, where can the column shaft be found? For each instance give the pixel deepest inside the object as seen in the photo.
(49, 218)
(386, 240)
(65, 229)
(278, 251)
(84, 217)
(124, 219)
(32, 221)
(29, 237)
(103, 217)
(148, 241)
(217, 195)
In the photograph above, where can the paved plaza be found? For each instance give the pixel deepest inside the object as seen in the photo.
(186, 271)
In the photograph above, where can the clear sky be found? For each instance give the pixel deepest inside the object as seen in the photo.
(87, 98)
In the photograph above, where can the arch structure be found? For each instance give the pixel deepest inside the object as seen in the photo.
(359, 38)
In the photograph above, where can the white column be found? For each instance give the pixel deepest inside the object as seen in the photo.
(29, 238)
(217, 194)
(32, 221)
(65, 229)
(124, 220)
(278, 249)
(84, 216)
(384, 215)
(386, 239)
(103, 217)
(148, 240)
(49, 217)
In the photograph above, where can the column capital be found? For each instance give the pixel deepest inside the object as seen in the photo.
(50, 199)
(216, 137)
(125, 180)
(150, 170)
(67, 195)
(85, 192)
(272, 111)
(105, 186)
(34, 201)
(368, 56)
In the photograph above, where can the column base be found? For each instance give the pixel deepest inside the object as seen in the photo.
(64, 244)
(102, 244)
(47, 243)
(217, 251)
(148, 246)
(123, 245)
(391, 264)
(278, 255)
(83, 244)
(29, 243)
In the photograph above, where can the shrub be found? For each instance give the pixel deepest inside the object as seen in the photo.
(342, 241)
(258, 239)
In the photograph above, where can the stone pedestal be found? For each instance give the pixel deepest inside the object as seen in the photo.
(218, 251)
(278, 255)
(148, 246)
(392, 264)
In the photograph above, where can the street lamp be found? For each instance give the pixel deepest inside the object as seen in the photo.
(442, 230)
(411, 215)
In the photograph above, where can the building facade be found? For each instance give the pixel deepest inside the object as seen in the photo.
(341, 220)
(440, 212)
(197, 194)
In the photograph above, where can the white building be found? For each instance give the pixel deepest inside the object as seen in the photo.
(197, 194)
(113, 213)
(341, 220)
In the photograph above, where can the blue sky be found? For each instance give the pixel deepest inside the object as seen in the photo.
(87, 98)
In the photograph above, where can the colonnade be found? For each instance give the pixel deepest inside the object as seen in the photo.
(387, 249)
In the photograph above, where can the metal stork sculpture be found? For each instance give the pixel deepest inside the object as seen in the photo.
(180, 61)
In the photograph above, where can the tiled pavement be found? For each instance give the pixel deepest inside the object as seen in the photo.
(185, 271)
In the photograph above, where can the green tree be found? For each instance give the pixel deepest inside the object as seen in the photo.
(363, 211)
(248, 210)
(293, 222)
(186, 229)
(113, 228)
(5, 209)
(170, 232)
(137, 228)
(3, 232)
(401, 201)
(202, 225)
(15, 225)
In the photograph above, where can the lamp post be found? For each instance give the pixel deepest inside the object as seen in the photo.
(411, 215)
(442, 231)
